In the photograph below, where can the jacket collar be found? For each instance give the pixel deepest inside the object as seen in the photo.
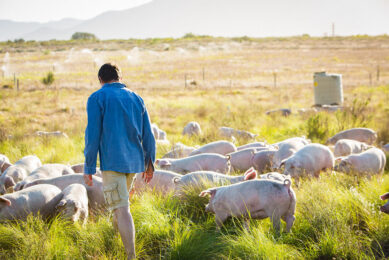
(114, 85)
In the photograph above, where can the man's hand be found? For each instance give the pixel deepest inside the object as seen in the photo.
(88, 179)
(148, 174)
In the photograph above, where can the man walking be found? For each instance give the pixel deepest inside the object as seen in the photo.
(119, 130)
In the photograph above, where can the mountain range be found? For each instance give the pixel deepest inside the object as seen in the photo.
(258, 18)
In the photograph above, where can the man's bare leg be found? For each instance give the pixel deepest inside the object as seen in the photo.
(126, 229)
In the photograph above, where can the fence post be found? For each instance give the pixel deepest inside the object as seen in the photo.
(185, 80)
(14, 80)
(378, 72)
(17, 85)
(370, 79)
(275, 79)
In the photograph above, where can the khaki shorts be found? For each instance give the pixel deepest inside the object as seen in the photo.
(115, 187)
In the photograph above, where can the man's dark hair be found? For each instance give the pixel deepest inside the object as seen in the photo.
(109, 72)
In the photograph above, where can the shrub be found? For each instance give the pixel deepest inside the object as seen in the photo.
(49, 79)
(357, 115)
(317, 127)
(83, 36)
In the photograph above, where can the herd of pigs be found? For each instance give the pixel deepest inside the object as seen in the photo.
(263, 189)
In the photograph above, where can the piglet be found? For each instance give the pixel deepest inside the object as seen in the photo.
(74, 203)
(201, 162)
(18, 172)
(365, 135)
(192, 128)
(369, 162)
(162, 182)
(257, 199)
(310, 160)
(95, 192)
(45, 171)
(40, 198)
(219, 147)
(345, 147)
(198, 178)
(4, 163)
(263, 160)
(286, 149)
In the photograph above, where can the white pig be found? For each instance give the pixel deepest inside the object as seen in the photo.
(95, 192)
(158, 133)
(4, 163)
(301, 139)
(220, 147)
(344, 147)
(197, 178)
(253, 145)
(309, 160)
(79, 168)
(179, 150)
(162, 182)
(365, 135)
(263, 160)
(286, 149)
(192, 128)
(45, 171)
(155, 130)
(385, 208)
(372, 161)
(40, 198)
(274, 176)
(257, 199)
(17, 172)
(242, 160)
(231, 132)
(385, 148)
(74, 203)
(201, 162)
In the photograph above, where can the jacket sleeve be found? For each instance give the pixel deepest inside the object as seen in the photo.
(92, 135)
(148, 140)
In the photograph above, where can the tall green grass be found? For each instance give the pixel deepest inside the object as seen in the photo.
(336, 217)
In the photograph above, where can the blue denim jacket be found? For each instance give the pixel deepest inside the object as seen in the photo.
(119, 129)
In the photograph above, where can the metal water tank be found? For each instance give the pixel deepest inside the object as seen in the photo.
(328, 88)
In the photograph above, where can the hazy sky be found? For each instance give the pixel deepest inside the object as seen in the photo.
(50, 10)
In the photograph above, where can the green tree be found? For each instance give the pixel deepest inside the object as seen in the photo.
(49, 79)
(83, 36)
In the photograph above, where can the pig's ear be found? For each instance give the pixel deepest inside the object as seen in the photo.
(211, 192)
(5, 166)
(9, 182)
(5, 202)
(61, 204)
(282, 163)
(164, 163)
(251, 174)
(338, 159)
(385, 196)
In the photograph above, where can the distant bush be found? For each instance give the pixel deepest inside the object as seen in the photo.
(8, 86)
(189, 35)
(83, 36)
(19, 40)
(317, 127)
(357, 115)
(49, 79)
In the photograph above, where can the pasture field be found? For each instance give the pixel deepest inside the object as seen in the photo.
(337, 216)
